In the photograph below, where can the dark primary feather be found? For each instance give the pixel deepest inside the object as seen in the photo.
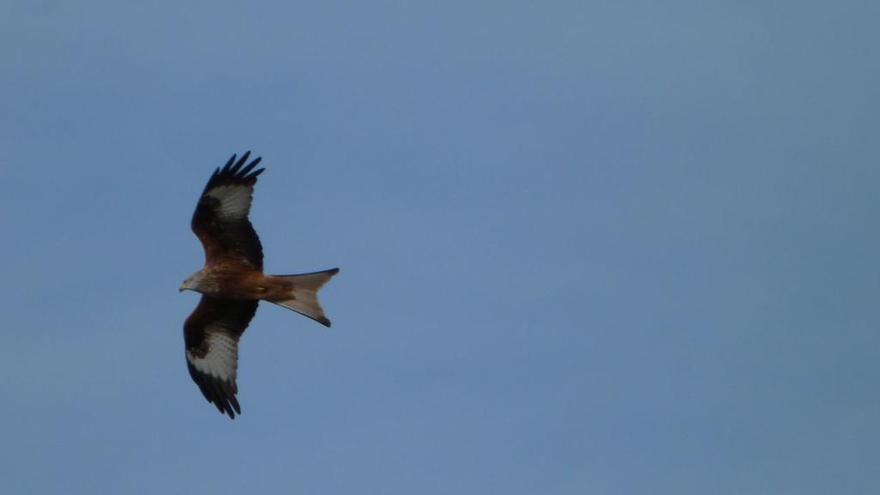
(228, 239)
(215, 318)
(232, 173)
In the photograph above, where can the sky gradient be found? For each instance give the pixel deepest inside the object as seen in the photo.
(586, 247)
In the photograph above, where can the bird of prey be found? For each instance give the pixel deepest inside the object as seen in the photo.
(232, 283)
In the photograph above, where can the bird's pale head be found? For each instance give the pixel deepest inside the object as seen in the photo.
(192, 282)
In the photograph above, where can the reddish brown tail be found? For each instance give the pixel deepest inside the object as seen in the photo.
(303, 298)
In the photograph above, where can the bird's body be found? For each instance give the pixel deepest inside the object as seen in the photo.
(235, 282)
(232, 283)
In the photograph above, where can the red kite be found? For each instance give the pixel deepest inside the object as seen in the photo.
(232, 283)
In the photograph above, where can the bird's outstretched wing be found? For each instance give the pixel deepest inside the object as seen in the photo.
(211, 336)
(221, 217)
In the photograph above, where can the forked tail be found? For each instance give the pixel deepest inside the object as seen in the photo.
(303, 297)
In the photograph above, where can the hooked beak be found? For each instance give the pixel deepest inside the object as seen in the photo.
(182, 288)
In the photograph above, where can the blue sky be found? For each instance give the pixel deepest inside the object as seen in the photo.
(586, 247)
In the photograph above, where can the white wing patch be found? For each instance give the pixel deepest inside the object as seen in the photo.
(221, 361)
(235, 200)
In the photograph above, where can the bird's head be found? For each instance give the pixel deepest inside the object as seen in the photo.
(192, 282)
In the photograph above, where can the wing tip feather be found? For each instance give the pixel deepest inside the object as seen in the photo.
(218, 392)
(236, 170)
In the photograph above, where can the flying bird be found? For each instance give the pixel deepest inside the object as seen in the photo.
(232, 283)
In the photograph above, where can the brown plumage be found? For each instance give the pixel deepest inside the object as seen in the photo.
(232, 283)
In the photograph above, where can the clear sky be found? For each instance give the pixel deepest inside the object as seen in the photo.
(586, 247)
